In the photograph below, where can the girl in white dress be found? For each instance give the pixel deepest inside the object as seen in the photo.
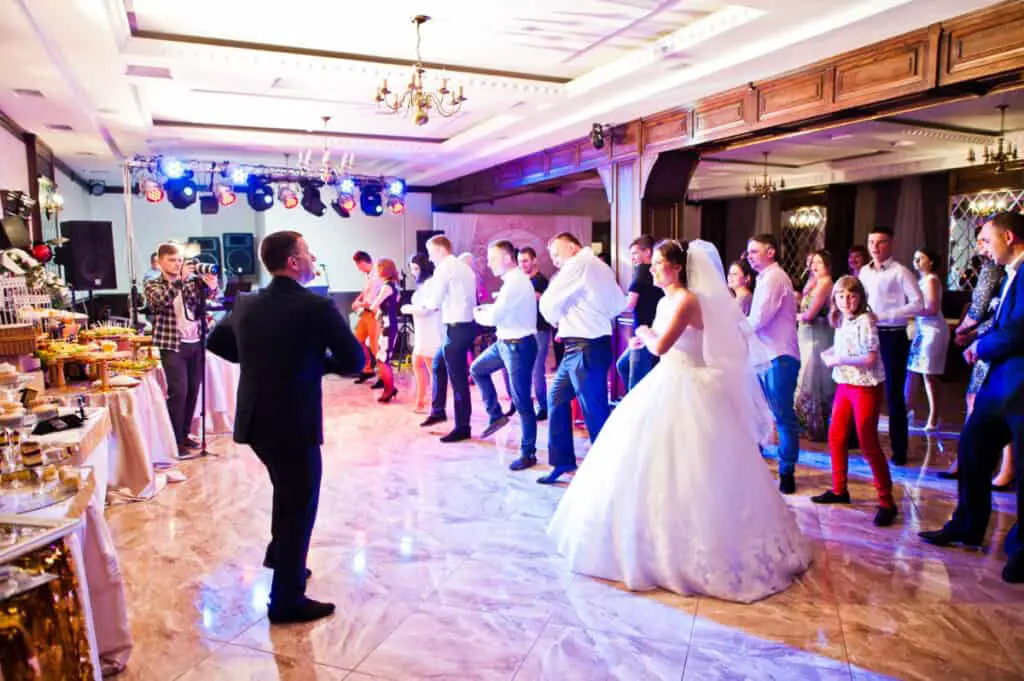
(427, 330)
(674, 493)
(931, 336)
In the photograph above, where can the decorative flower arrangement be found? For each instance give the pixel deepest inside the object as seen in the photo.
(17, 262)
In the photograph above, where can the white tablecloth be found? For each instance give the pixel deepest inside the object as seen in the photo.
(221, 391)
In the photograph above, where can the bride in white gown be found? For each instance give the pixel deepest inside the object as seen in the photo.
(674, 493)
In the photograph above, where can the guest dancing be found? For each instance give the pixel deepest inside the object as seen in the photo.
(581, 300)
(453, 292)
(773, 318)
(741, 283)
(894, 297)
(673, 493)
(815, 388)
(280, 336)
(858, 372)
(367, 328)
(998, 417)
(385, 307)
(528, 264)
(173, 300)
(980, 317)
(642, 301)
(427, 329)
(514, 316)
(931, 336)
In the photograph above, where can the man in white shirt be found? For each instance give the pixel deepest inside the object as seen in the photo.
(453, 292)
(773, 318)
(581, 300)
(894, 297)
(998, 416)
(367, 329)
(514, 316)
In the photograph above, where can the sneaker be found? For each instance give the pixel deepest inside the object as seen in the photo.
(831, 497)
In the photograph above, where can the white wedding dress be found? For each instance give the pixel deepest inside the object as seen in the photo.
(674, 493)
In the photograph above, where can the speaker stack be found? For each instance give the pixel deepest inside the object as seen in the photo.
(239, 254)
(88, 256)
(209, 249)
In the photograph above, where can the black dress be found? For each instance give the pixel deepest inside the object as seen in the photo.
(389, 313)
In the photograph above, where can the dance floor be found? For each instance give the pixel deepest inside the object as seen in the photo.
(438, 560)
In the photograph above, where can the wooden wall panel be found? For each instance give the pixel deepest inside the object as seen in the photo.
(715, 117)
(796, 97)
(884, 74)
(983, 44)
(666, 131)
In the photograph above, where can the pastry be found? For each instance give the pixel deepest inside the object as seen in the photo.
(45, 412)
(12, 419)
(8, 374)
(70, 477)
(49, 473)
(15, 438)
(9, 406)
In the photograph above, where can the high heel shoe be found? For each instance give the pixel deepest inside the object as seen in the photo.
(388, 396)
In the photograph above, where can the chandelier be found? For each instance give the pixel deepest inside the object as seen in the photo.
(764, 185)
(50, 201)
(806, 218)
(415, 98)
(1003, 152)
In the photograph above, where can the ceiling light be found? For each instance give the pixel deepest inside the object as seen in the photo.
(181, 191)
(311, 201)
(765, 185)
(259, 193)
(226, 197)
(396, 188)
(152, 190)
(370, 200)
(287, 196)
(239, 177)
(347, 201)
(347, 186)
(597, 136)
(340, 209)
(396, 205)
(1002, 152)
(416, 98)
(172, 168)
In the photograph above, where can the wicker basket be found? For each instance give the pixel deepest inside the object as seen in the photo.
(17, 339)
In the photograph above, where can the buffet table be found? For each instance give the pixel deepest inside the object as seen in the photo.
(221, 390)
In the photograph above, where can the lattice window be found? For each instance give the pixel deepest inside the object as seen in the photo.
(803, 232)
(967, 214)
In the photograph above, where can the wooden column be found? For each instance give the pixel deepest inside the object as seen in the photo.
(664, 199)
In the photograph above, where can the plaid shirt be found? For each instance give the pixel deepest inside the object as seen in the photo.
(160, 295)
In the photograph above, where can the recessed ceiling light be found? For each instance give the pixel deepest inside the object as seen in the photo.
(59, 126)
(25, 92)
(840, 136)
(904, 143)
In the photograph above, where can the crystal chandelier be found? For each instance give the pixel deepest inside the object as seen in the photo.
(1003, 152)
(415, 98)
(806, 218)
(764, 185)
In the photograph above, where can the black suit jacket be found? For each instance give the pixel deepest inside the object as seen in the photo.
(280, 337)
(1003, 348)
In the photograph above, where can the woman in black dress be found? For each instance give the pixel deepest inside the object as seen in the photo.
(386, 308)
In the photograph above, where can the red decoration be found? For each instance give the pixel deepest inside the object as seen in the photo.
(42, 252)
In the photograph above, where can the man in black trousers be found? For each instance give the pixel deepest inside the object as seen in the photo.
(280, 337)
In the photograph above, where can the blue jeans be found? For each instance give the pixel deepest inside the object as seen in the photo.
(583, 374)
(779, 385)
(517, 358)
(633, 365)
(450, 362)
(540, 381)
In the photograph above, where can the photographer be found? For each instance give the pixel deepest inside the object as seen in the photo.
(173, 300)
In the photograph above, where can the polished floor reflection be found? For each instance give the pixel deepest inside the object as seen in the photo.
(437, 558)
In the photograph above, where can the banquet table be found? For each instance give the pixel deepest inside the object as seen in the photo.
(221, 390)
(96, 561)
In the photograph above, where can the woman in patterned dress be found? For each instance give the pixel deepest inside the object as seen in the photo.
(931, 335)
(815, 388)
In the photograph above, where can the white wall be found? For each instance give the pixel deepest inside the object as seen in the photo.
(332, 239)
(13, 163)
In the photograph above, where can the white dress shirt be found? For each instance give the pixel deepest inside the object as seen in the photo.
(773, 312)
(583, 298)
(514, 312)
(893, 293)
(428, 333)
(453, 291)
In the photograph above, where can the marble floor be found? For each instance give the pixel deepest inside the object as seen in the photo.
(437, 558)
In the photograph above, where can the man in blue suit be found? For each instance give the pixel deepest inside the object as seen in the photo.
(998, 416)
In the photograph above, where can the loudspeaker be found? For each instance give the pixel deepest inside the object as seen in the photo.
(88, 256)
(239, 254)
(209, 249)
(208, 205)
(15, 233)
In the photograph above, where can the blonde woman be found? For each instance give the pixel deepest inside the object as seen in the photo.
(427, 330)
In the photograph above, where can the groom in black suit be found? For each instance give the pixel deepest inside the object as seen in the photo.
(998, 416)
(280, 337)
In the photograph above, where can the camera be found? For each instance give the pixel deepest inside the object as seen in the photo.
(203, 268)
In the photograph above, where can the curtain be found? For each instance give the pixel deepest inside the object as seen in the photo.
(864, 213)
(460, 228)
(909, 223)
(763, 217)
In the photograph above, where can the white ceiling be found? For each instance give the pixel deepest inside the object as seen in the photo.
(563, 65)
(929, 140)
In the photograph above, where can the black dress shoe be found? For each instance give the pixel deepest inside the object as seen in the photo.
(1008, 487)
(552, 477)
(511, 411)
(899, 459)
(494, 426)
(831, 497)
(434, 418)
(457, 435)
(946, 537)
(787, 484)
(192, 443)
(522, 463)
(948, 475)
(307, 610)
(1013, 571)
(886, 516)
(378, 385)
(365, 376)
(542, 415)
(270, 566)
